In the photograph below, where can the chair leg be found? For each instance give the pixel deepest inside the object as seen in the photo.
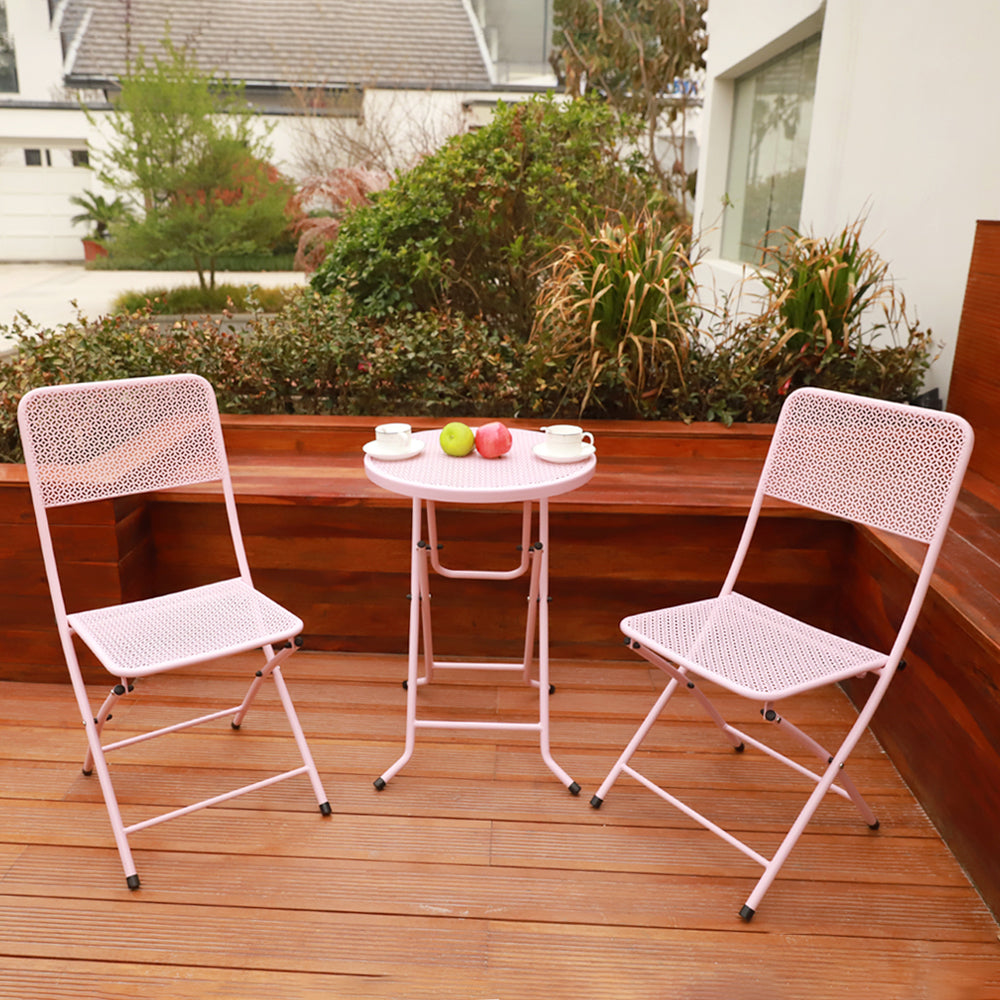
(634, 743)
(99, 763)
(102, 717)
(842, 778)
(732, 734)
(273, 660)
(300, 740)
(96, 760)
(790, 840)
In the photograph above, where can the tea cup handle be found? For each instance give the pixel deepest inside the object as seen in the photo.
(586, 435)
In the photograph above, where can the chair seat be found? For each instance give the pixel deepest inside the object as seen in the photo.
(190, 626)
(750, 648)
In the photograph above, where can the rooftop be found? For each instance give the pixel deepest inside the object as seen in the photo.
(328, 42)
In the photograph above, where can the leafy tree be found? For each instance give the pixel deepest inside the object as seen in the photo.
(184, 148)
(469, 226)
(642, 56)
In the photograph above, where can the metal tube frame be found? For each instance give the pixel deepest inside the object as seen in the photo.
(534, 561)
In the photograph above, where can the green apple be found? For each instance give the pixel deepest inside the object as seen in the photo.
(457, 438)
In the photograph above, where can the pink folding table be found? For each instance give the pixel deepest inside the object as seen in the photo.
(522, 477)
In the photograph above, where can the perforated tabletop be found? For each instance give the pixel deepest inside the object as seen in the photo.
(517, 476)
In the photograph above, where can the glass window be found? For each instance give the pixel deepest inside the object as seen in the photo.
(8, 64)
(769, 141)
(32, 157)
(80, 157)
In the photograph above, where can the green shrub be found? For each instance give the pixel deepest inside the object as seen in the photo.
(618, 337)
(833, 317)
(466, 228)
(282, 258)
(312, 357)
(194, 299)
(620, 299)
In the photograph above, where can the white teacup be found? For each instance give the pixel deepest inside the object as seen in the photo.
(566, 439)
(393, 437)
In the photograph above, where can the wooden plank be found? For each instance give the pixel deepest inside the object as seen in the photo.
(974, 390)
(301, 834)
(858, 859)
(419, 793)
(67, 979)
(940, 717)
(497, 892)
(633, 964)
(162, 934)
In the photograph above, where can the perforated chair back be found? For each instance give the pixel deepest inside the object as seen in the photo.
(885, 465)
(98, 440)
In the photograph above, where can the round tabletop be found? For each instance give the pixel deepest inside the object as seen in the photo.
(517, 476)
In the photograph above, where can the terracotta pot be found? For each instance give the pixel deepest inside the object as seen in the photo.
(92, 250)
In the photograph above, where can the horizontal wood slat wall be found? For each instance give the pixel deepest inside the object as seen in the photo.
(334, 547)
(940, 721)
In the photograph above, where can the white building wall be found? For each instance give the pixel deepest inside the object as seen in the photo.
(903, 133)
(35, 211)
(38, 50)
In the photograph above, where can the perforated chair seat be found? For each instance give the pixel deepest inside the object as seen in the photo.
(750, 648)
(190, 626)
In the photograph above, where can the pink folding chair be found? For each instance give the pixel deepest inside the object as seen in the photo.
(893, 467)
(93, 441)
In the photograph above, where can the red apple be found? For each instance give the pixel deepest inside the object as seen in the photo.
(493, 440)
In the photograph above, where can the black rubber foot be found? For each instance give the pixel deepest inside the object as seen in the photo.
(379, 784)
(740, 748)
(132, 881)
(406, 685)
(746, 913)
(873, 826)
(86, 772)
(325, 808)
(234, 725)
(596, 802)
(552, 689)
(574, 789)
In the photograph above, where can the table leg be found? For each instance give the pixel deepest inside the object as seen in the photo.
(418, 576)
(538, 615)
(543, 648)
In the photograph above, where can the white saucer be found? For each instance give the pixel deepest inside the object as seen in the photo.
(374, 450)
(586, 450)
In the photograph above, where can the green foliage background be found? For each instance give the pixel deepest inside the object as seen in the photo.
(467, 228)
(184, 149)
(526, 270)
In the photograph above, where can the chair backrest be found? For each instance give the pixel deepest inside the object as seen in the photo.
(99, 440)
(885, 465)
(96, 440)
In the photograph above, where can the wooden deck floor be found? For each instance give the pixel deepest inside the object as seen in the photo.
(475, 874)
